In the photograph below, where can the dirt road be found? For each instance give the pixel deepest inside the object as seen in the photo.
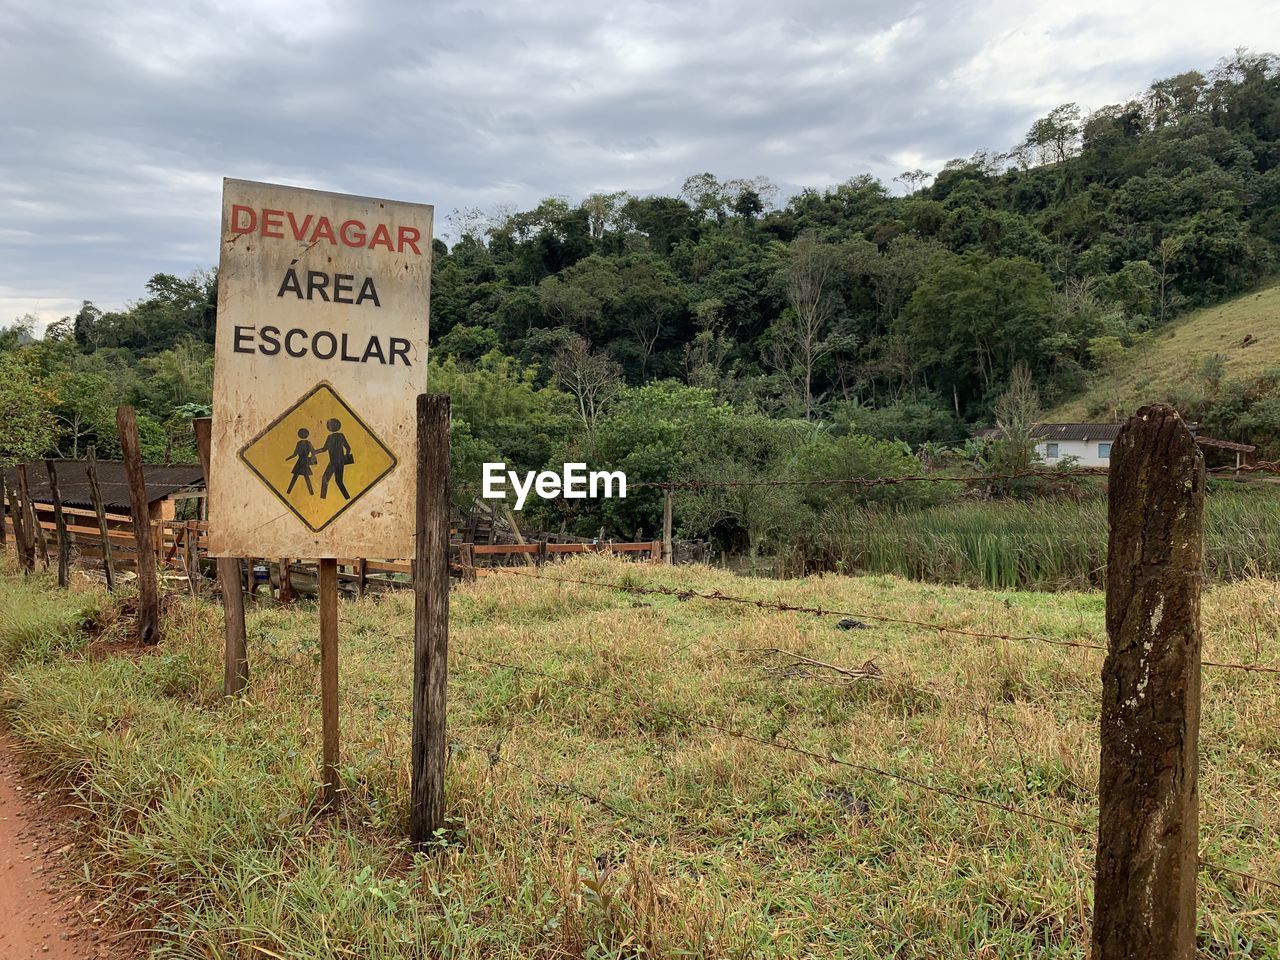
(39, 916)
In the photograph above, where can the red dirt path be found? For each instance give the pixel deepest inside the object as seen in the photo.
(40, 915)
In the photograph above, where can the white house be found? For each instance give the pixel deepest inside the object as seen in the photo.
(1088, 443)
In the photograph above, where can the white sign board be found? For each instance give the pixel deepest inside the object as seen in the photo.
(321, 350)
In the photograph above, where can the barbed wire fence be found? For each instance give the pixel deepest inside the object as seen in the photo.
(1090, 645)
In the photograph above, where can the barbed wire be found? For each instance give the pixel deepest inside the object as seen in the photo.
(785, 746)
(1262, 466)
(689, 594)
(1239, 873)
(775, 744)
(867, 481)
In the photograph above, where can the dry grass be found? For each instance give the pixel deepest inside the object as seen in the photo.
(1150, 372)
(591, 821)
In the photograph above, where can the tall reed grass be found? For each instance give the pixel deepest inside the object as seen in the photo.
(1038, 545)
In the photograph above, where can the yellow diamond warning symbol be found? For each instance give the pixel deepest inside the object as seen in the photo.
(318, 457)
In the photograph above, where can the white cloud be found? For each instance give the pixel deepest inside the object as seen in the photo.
(120, 117)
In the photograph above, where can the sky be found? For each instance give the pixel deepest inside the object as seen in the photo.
(119, 118)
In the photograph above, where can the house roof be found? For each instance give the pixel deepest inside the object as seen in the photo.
(1067, 431)
(73, 483)
(1077, 431)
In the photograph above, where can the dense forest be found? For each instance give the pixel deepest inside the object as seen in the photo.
(723, 332)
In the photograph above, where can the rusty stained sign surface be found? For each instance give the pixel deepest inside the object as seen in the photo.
(320, 352)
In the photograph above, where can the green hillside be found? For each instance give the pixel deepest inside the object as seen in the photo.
(1244, 331)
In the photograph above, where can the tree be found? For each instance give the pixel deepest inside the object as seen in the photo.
(85, 407)
(590, 378)
(1017, 412)
(604, 211)
(1055, 138)
(802, 335)
(913, 180)
(26, 426)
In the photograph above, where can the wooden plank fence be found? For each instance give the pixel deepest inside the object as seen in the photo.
(181, 548)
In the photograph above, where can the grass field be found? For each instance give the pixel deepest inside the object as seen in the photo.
(591, 814)
(1148, 373)
(1043, 544)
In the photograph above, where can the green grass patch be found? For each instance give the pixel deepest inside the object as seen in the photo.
(1041, 545)
(588, 818)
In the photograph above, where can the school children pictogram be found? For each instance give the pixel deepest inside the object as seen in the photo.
(319, 434)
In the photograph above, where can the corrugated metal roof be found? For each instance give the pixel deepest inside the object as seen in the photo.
(1077, 431)
(1068, 431)
(73, 483)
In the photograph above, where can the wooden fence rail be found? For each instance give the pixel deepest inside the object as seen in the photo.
(181, 552)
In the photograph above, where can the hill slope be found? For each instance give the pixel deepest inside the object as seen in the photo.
(1149, 372)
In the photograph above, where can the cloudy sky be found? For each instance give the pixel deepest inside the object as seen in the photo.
(119, 118)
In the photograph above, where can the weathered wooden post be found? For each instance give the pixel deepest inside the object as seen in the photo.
(235, 667)
(21, 535)
(430, 621)
(60, 526)
(1148, 826)
(191, 554)
(4, 509)
(35, 532)
(99, 508)
(668, 550)
(328, 589)
(148, 584)
(286, 581)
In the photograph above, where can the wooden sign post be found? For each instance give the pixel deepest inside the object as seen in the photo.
(430, 621)
(319, 354)
(235, 665)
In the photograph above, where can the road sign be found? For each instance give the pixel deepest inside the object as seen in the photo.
(322, 319)
(319, 457)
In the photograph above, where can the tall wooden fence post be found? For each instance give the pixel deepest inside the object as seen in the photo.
(4, 508)
(60, 526)
(235, 669)
(35, 532)
(430, 621)
(668, 546)
(99, 508)
(21, 535)
(148, 584)
(1148, 824)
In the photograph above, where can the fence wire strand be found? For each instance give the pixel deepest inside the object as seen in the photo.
(689, 594)
(782, 745)
(1262, 466)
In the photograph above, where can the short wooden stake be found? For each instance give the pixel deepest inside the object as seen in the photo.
(192, 555)
(99, 508)
(430, 622)
(329, 678)
(286, 581)
(235, 667)
(60, 526)
(362, 576)
(668, 546)
(1148, 825)
(148, 584)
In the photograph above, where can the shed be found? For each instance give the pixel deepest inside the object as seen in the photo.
(166, 485)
